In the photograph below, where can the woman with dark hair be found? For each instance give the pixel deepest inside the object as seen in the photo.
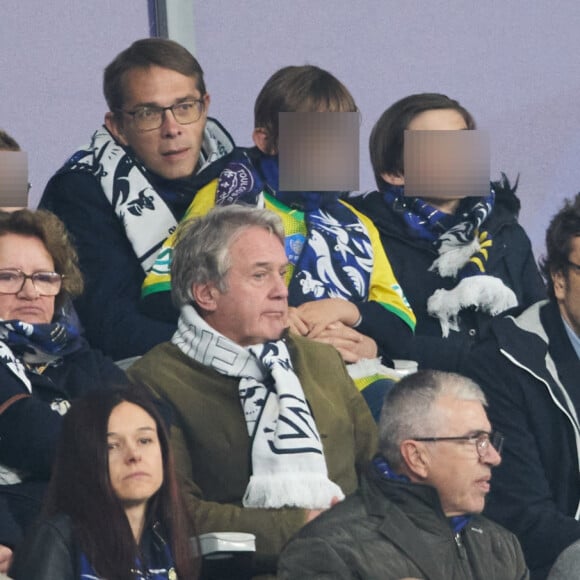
(113, 508)
(45, 363)
(460, 255)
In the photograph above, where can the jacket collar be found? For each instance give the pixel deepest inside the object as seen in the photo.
(405, 507)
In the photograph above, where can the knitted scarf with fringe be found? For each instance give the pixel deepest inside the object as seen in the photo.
(288, 463)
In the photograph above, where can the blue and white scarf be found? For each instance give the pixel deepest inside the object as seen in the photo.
(336, 260)
(147, 219)
(22, 343)
(463, 247)
(288, 463)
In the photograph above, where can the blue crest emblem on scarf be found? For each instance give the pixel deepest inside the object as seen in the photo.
(294, 245)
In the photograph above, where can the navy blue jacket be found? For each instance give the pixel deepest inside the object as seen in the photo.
(109, 308)
(29, 428)
(535, 492)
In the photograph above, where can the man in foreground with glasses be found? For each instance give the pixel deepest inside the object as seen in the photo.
(123, 194)
(416, 511)
(529, 368)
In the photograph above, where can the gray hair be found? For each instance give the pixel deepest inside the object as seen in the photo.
(201, 254)
(407, 409)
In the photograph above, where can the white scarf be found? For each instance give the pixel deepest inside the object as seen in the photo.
(288, 464)
(147, 219)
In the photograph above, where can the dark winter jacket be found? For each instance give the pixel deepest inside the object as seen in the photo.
(512, 261)
(50, 552)
(109, 308)
(529, 372)
(30, 425)
(30, 422)
(390, 530)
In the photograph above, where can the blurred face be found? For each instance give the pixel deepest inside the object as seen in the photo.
(567, 289)
(455, 469)
(433, 120)
(254, 308)
(28, 254)
(135, 459)
(172, 150)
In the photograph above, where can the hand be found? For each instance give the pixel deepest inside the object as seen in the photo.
(5, 558)
(318, 314)
(296, 323)
(350, 343)
(312, 514)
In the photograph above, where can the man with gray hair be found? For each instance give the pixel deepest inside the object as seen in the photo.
(270, 430)
(417, 510)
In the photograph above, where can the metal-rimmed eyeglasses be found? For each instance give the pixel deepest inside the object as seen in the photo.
(150, 117)
(482, 440)
(46, 283)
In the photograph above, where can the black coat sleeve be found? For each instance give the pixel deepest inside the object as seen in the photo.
(391, 333)
(47, 553)
(109, 306)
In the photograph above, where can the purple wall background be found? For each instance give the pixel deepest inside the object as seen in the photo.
(514, 65)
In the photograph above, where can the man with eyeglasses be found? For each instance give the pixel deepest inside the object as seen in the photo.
(123, 194)
(529, 369)
(416, 512)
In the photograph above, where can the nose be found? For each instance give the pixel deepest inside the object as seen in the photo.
(28, 290)
(169, 125)
(280, 290)
(132, 453)
(492, 456)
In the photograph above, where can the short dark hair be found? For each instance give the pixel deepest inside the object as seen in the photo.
(146, 53)
(304, 89)
(7, 142)
(387, 137)
(81, 488)
(45, 226)
(565, 226)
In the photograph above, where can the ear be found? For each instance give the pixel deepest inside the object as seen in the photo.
(115, 127)
(261, 139)
(560, 284)
(415, 458)
(393, 179)
(206, 101)
(205, 296)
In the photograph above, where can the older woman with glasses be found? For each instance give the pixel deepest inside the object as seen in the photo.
(45, 363)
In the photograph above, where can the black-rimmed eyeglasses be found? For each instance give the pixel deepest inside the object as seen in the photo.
(482, 440)
(46, 283)
(150, 117)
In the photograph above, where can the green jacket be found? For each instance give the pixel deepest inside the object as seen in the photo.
(211, 444)
(390, 530)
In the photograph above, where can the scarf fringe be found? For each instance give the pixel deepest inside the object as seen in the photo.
(303, 490)
(451, 260)
(485, 293)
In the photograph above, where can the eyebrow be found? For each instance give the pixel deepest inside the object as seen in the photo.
(113, 433)
(269, 265)
(477, 432)
(177, 102)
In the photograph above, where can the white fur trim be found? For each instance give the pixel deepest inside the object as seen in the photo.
(485, 293)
